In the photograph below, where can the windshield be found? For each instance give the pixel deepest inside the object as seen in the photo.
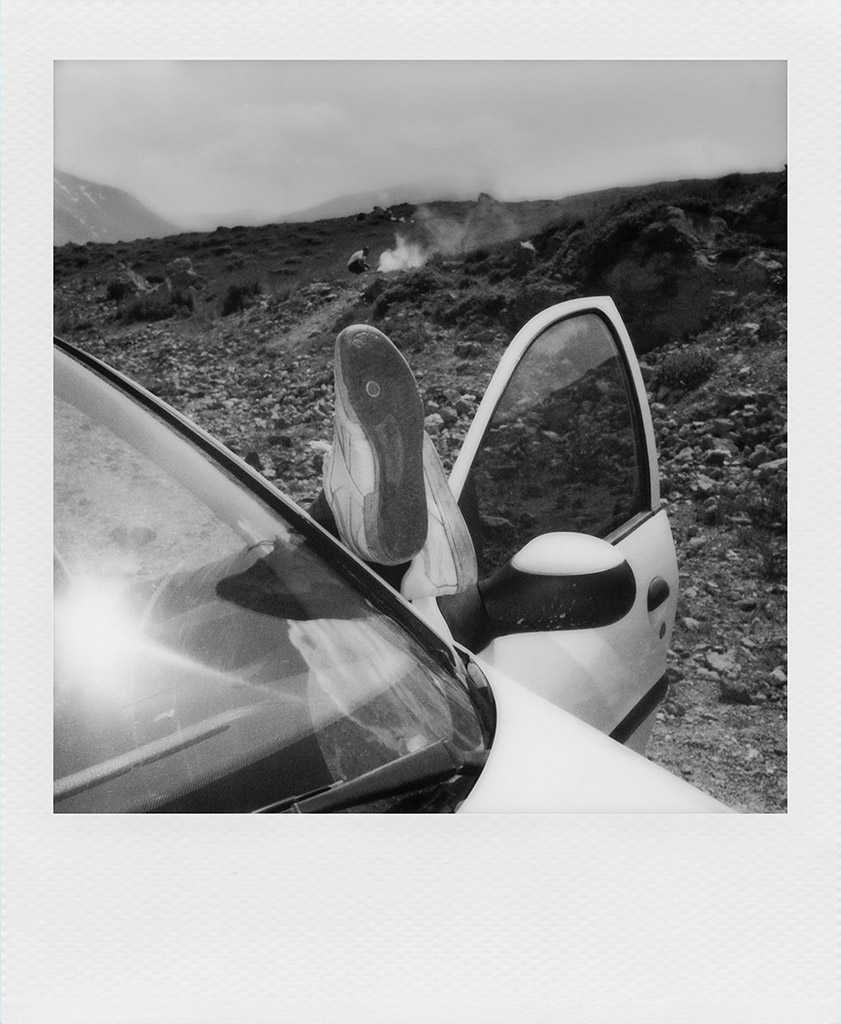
(209, 656)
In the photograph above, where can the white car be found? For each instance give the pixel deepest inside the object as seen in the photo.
(218, 651)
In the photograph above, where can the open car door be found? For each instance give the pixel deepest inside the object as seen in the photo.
(558, 482)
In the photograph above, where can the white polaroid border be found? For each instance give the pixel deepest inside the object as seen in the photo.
(583, 918)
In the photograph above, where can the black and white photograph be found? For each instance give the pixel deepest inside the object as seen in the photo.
(414, 440)
(514, 334)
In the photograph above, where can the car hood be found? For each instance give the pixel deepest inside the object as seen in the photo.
(545, 760)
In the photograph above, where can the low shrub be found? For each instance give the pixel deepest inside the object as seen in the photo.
(477, 256)
(483, 305)
(375, 289)
(239, 297)
(279, 297)
(767, 505)
(412, 287)
(409, 335)
(686, 368)
(730, 184)
(67, 319)
(697, 204)
(770, 549)
(533, 298)
(117, 290)
(157, 305)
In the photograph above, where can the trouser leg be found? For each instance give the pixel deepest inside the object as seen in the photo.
(320, 512)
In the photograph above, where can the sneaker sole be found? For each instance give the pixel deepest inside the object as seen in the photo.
(381, 390)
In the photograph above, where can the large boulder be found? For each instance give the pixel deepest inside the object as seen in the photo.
(181, 279)
(759, 271)
(666, 265)
(765, 216)
(131, 282)
(659, 267)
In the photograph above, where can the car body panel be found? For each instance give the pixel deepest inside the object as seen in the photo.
(599, 674)
(586, 671)
(543, 759)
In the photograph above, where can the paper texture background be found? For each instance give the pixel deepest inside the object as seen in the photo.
(647, 919)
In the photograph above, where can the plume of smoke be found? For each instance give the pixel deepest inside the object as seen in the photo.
(443, 234)
(405, 255)
(488, 222)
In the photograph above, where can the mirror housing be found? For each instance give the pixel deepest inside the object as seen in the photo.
(558, 581)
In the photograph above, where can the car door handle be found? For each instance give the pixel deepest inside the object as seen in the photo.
(658, 591)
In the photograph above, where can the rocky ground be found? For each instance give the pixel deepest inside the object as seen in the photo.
(723, 461)
(247, 351)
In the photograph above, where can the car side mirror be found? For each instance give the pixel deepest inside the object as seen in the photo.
(558, 581)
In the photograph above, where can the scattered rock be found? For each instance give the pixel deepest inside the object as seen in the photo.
(772, 467)
(725, 664)
(703, 485)
(739, 691)
(779, 677)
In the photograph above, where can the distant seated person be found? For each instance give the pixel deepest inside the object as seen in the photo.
(358, 263)
(385, 493)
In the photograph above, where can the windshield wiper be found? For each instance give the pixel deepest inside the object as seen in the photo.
(436, 763)
(88, 778)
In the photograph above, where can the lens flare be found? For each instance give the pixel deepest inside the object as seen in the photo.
(96, 634)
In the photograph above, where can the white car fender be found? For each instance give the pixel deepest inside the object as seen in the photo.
(545, 760)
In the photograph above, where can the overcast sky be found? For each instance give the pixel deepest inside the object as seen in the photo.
(198, 140)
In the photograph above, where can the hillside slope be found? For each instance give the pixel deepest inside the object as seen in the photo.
(698, 271)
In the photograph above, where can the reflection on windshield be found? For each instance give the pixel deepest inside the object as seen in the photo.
(207, 658)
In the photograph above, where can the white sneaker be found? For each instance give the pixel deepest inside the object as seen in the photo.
(447, 562)
(373, 477)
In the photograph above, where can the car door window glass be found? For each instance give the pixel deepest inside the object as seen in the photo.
(563, 449)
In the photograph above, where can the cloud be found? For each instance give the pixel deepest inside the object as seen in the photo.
(188, 137)
(287, 118)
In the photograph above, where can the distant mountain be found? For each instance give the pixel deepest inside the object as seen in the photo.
(86, 212)
(363, 202)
